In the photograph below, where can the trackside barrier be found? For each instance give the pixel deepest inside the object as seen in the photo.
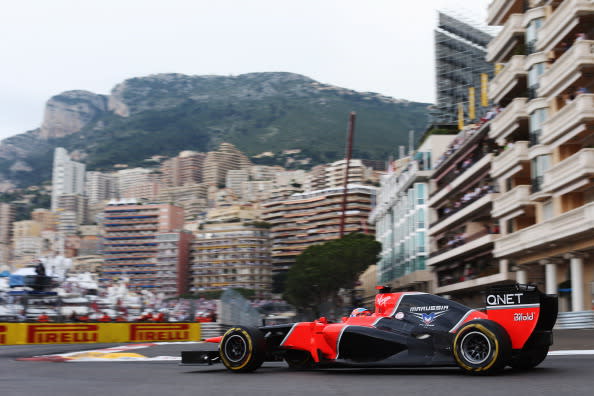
(83, 333)
(575, 320)
(212, 329)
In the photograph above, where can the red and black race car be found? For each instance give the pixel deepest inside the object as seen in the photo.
(407, 329)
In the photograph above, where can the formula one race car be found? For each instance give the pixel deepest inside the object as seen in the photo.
(407, 329)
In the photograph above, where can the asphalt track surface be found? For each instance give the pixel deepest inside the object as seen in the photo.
(566, 374)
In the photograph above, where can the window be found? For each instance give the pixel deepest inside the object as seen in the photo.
(420, 192)
(532, 34)
(533, 79)
(540, 165)
(536, 120)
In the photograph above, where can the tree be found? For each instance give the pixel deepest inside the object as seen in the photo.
(322, 270)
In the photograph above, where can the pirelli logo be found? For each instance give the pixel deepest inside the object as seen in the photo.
(3, 331)
(160, 332)
(62, 333)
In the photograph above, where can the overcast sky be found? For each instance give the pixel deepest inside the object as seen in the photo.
(51, 46)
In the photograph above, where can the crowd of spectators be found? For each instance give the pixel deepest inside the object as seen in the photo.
(467, 198)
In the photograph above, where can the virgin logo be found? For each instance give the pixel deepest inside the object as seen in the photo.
(383, 299)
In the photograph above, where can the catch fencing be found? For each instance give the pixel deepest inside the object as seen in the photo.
(236, 310)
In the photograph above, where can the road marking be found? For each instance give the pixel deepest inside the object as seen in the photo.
(114, 354)
(572, 352)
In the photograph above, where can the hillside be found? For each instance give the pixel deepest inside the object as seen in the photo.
(166, 113)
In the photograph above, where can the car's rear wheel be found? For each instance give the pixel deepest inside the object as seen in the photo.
(299, 360)
(242, 349)
(529, 359)
(482, 347)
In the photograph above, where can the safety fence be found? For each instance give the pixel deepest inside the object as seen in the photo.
(83, 333)
(237, 310)
(575, 320)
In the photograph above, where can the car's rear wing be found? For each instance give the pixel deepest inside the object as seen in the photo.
(527, 314)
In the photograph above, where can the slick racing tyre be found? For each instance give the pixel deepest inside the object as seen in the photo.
(242, 349)
(299, 360)
(482, 347)
(529, 359)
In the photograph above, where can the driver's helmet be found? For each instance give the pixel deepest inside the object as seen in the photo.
(360, 312)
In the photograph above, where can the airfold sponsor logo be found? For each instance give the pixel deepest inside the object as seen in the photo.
(2, 334)
(62, 333)
(160, 332)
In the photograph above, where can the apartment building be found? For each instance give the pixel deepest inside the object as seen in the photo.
(6, 219)
(313, 217)
(546, 207)
(173, 259)
(218, 163)
(100, 187)
(232, 255)
(68, 176)
(131, 238)
(358, 173)
(462, 230)
(401, 219)
(184, 169)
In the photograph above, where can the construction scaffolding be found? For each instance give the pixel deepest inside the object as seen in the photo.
(460, 50)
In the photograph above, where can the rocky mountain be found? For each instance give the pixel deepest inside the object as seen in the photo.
(166, 113)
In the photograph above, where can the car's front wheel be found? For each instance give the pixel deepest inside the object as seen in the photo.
(242, 349)
(482, 347)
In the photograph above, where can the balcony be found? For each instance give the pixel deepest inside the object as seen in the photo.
(477, 283)
(508, 78)
(461, 179)
(509, 120)
(511, 34)
(562, 22)
(511, 201)
(570, 121)
(500, 10)
(472, 245)
(568, 68)
(568, 226)
(510, 161)
(571, 174)
(462, 214)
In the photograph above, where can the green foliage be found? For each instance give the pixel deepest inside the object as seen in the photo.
(322, 270)
(256, 113)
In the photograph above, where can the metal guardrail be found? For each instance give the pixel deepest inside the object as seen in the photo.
(575, 320)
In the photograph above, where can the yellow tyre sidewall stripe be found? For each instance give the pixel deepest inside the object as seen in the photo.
(489, 335)
(248, 356)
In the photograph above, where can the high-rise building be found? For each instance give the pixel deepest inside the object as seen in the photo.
(68, 176)
(401, 218)
(217, 163)
(131, 242)
(546, 175)
(100, 187)
(75, 203)
(184, 169)
(358, 173)
(232, 255)
(6, 219)
(127, 178)
(313, 217)
(460, 48)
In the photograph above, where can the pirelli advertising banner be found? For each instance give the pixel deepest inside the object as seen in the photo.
(77, 333)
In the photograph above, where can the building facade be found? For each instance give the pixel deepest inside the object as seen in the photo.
(68, 177)
(401, 219)
(546, 209)
(460, 49)
(232, 255)
(309, 218)
(131, 242)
